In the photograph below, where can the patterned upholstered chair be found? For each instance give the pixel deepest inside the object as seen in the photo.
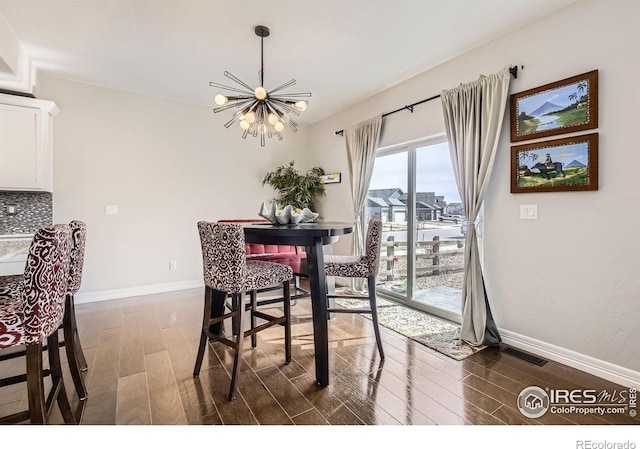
(365, 266)
(75, 355)
(11, 289)
(35, 317)
(293, 256)
(226, 269)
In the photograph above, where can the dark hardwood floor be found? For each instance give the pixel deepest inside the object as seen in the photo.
(141, 352)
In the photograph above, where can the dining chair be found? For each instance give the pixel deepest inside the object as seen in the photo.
(226, 269)
(293, 256)
(365, 266)
(11, 289)
(35, 317)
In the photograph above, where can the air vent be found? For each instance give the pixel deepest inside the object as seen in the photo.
(524, 356)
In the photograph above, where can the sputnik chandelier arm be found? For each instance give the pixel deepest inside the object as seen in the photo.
(260, 112)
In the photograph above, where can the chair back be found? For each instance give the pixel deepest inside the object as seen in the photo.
(78, 240)
(45, 282)
(374, 242)
(224, 263)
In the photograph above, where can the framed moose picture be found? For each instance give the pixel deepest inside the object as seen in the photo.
(555, 165)
(562, 107)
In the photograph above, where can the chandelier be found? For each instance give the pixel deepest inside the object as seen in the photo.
(261, 113)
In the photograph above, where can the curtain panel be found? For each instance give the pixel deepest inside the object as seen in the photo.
(362, 144)
(473, 115)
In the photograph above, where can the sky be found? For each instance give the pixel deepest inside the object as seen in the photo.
(434, 172)
(558, 96)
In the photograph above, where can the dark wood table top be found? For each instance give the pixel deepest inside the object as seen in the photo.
(295, 234)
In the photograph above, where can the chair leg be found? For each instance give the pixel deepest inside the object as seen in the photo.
(70, 306)
(82, 361)
(205, 327)
(71, 346)
(371, 285)
(254, 300)
(35, 385)
(57, 381)
(234, 319)
(287, 323)
(237, 359)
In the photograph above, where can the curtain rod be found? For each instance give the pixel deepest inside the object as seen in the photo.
(513, 70)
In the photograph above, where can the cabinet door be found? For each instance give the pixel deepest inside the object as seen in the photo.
(22, 164)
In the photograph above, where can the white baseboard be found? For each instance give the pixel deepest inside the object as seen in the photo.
(609, 371)
(104, 295)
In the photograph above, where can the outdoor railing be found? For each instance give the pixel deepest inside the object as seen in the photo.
(433, 250)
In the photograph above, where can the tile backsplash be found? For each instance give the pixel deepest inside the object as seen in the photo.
(33, 210)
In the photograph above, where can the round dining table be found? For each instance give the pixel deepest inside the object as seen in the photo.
(312, 236)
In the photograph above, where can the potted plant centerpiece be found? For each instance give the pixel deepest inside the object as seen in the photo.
(295, 189)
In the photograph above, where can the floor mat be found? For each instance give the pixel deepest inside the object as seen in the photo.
(432, 332)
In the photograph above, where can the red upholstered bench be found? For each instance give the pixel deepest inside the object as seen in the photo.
(287, 255)
(284, 254)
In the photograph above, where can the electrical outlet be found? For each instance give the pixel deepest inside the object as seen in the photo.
(173, 265)
(111, 209)
(11, 209)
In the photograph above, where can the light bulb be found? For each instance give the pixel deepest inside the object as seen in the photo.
(250, 116)
(262, 128)
(273, 118)
(279, 126)
(301, 105)
(220, 99)
(244, 124)
(260, 93)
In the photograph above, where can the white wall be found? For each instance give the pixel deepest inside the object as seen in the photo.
(571, 279)
(166, 165)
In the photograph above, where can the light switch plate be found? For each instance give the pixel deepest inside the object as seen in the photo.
(528, 211)
(11, 209)
(111, 209)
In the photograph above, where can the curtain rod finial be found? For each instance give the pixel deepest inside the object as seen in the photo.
(514, 71)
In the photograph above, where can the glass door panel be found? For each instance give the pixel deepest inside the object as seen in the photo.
(389, 183)
(438, 242)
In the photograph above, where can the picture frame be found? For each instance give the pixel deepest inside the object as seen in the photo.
(572, 165)
(331, 178)
(565, 106)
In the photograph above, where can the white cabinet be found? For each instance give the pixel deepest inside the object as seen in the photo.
(26, 143)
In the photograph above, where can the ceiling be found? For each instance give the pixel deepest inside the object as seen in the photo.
(341, 51)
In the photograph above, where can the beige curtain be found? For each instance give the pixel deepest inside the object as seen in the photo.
(473, 115)
(362, 144)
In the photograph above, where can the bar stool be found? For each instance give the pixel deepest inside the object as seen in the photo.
(365, 266)
(11, 289)
(35, 317)
(226, 269)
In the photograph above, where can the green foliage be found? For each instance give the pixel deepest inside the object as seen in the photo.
(524, 156)
(573, 176)
(524, 116)
(298, 190)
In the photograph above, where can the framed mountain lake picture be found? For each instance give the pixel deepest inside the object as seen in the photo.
(562, 107)
(555, 165)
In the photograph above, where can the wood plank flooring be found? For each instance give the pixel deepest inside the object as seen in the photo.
(141, 352)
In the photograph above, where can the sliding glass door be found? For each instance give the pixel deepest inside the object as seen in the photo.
(413, 191)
